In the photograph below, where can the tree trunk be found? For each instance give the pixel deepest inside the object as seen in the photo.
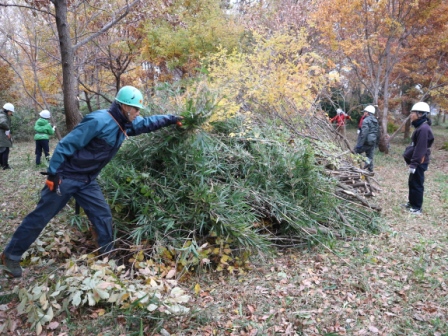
(383, 144)
(406, 111)
(69, 82)
(439, 117)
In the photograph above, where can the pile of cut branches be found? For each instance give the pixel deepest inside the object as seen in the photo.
(355, 184)
(213, 191)
(333, 152)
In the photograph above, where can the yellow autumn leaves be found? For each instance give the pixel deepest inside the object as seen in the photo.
(277, 68)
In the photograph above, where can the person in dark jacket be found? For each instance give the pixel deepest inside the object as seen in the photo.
(359, 130)
(5, 134)
(360, 123)
(417, 155)
(76, 162)
(368, 136)
(42, 137)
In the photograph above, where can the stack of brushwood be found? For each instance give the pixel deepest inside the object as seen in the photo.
(354, 183)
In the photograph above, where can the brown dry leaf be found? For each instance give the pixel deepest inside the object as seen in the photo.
(401, 293)
(53, 325)
(278, 329)
(171, 274)
(374, 329)
(419, 317)
(430, 309)
(253, 332)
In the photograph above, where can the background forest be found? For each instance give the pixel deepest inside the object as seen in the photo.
(255, 169)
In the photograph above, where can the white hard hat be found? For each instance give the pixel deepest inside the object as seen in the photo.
(421, 107)
(370, 109)
(339, 111)
(45, 114)
(9, 107)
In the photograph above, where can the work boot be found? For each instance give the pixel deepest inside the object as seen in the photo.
(415, 211)
(12, 266)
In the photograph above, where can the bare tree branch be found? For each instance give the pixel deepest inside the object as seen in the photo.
(108, 25)
(398, 129)
(87, 88)
(27, 7)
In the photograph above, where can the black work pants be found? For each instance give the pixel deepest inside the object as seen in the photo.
(416, 187)
(4, 156)
(42, 146)
(89, 197)
(369, 150)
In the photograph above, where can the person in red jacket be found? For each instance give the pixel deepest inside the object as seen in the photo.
(340, 121)
(360, 123)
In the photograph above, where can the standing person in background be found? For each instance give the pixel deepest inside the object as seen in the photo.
(74, 166)
(360, 123)
(5, 134)
(340, 118)
(359, 129)
(43, 131)
(417, 156)
(368, 136)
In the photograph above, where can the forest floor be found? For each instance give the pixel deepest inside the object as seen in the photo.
(391, 283)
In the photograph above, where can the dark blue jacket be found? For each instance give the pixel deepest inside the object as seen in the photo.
(83, 152)
(419, 151)
(369, 131)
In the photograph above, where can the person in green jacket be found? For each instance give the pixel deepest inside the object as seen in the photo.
(43, 130)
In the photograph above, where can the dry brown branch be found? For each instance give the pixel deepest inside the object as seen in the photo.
(354, 184)
(344, 220)
(398, 129)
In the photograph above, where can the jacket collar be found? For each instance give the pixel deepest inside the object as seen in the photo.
(416, 123)
(116, 113)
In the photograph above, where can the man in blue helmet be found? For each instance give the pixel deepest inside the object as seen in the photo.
(76, 162)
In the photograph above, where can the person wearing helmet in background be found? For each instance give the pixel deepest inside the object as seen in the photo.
(43, 130)
(5, 134)
(360, 124)
(359, 129)
(340, 118)
(417, 155)
(74, 166)
(368, 136)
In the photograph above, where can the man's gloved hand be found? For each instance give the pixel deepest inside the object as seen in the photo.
(179, 121)
(358, 131)
(411, 170)
(54, 127)
(52, 182)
